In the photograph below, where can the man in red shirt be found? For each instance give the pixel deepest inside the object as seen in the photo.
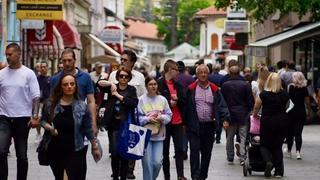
(174, 93)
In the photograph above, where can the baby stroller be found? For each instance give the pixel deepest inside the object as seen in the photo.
(254, 161)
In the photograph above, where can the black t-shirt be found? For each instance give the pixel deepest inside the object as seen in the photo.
(274, 103)
(297, 96)
(117, 115)
(64, 123)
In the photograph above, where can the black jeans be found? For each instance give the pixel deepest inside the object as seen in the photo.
(201, 145)
(16, 128)
(295, 132)
(176, 131)
(74, 163)
(118, 164)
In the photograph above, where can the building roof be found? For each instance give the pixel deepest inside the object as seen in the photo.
(210, 11)
(138, 27)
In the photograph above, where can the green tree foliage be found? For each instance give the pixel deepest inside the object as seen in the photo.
(186, 27)
(134, 8)
(261, 9)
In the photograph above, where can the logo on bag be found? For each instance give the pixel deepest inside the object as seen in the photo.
(134, 138)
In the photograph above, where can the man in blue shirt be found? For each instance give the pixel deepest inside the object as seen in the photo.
(85, 84)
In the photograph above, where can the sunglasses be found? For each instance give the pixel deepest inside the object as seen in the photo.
(124, 76)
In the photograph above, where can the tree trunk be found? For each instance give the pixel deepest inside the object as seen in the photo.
(173, 27)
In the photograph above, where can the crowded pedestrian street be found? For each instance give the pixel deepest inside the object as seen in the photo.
(305, 169)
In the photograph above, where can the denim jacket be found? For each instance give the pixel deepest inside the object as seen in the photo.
(82, 121)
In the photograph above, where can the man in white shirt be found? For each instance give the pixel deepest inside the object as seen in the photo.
(128, 59)
(19, 108)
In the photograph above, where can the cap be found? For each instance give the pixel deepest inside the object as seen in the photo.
(98, 64)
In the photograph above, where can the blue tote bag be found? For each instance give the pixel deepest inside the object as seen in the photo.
(133, 140)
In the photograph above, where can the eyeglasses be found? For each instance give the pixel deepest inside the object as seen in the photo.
(124, 76)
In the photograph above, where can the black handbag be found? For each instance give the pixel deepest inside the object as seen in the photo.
(43, 156)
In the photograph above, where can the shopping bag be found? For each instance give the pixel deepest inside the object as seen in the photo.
(254, 125)
(133, 140)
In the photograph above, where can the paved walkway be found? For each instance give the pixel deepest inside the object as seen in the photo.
(308, 168)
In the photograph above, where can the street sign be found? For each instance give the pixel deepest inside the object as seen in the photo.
(42, 36)
(237, 13)
(237, 26)
(40, 9)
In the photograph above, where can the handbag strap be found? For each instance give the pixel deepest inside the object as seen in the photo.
(129, 117)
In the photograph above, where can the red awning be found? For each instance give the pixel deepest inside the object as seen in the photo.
(70, 36)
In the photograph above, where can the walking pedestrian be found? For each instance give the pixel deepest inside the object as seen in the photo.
(153, 108)
(274, 123)
(44, 84)
(215, 78)
(121, 103)
(68, 120)
(86, 90)
(185, 80)
(128, 59)
(19, 108)
(298, 94)
(173, 92)
(238, 96)
(205, 105)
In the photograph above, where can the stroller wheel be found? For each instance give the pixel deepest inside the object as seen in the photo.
(245, 170)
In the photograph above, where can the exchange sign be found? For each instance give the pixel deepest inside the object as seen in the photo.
(40, 9)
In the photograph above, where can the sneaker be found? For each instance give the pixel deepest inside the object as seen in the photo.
(298, 155)
(278, 176)
(289, 155)
(38, 138)
(230, 162)
(131, 176)
(237, 146)
(267, 171)
(242, 163)
(218, 142)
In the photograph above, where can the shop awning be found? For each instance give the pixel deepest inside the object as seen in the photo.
(70, 35)
(106, 59)
(293, 34)
(107, 48)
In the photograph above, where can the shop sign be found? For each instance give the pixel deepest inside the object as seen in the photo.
(237, 26)
(111, 35)
(40, 9)
(32, 24)
(235, 12)
(43, 36)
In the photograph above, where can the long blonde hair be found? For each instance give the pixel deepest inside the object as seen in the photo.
(273, 83)
(299, 80)
(262, 77)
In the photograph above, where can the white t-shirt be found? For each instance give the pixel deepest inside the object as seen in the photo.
(137, 81)
(17, 89)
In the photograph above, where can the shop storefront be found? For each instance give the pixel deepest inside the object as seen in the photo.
(300, 44)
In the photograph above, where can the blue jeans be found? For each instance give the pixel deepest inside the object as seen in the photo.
(152, 160)
(16, 128)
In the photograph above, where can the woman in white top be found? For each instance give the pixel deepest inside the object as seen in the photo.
(154, 110)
